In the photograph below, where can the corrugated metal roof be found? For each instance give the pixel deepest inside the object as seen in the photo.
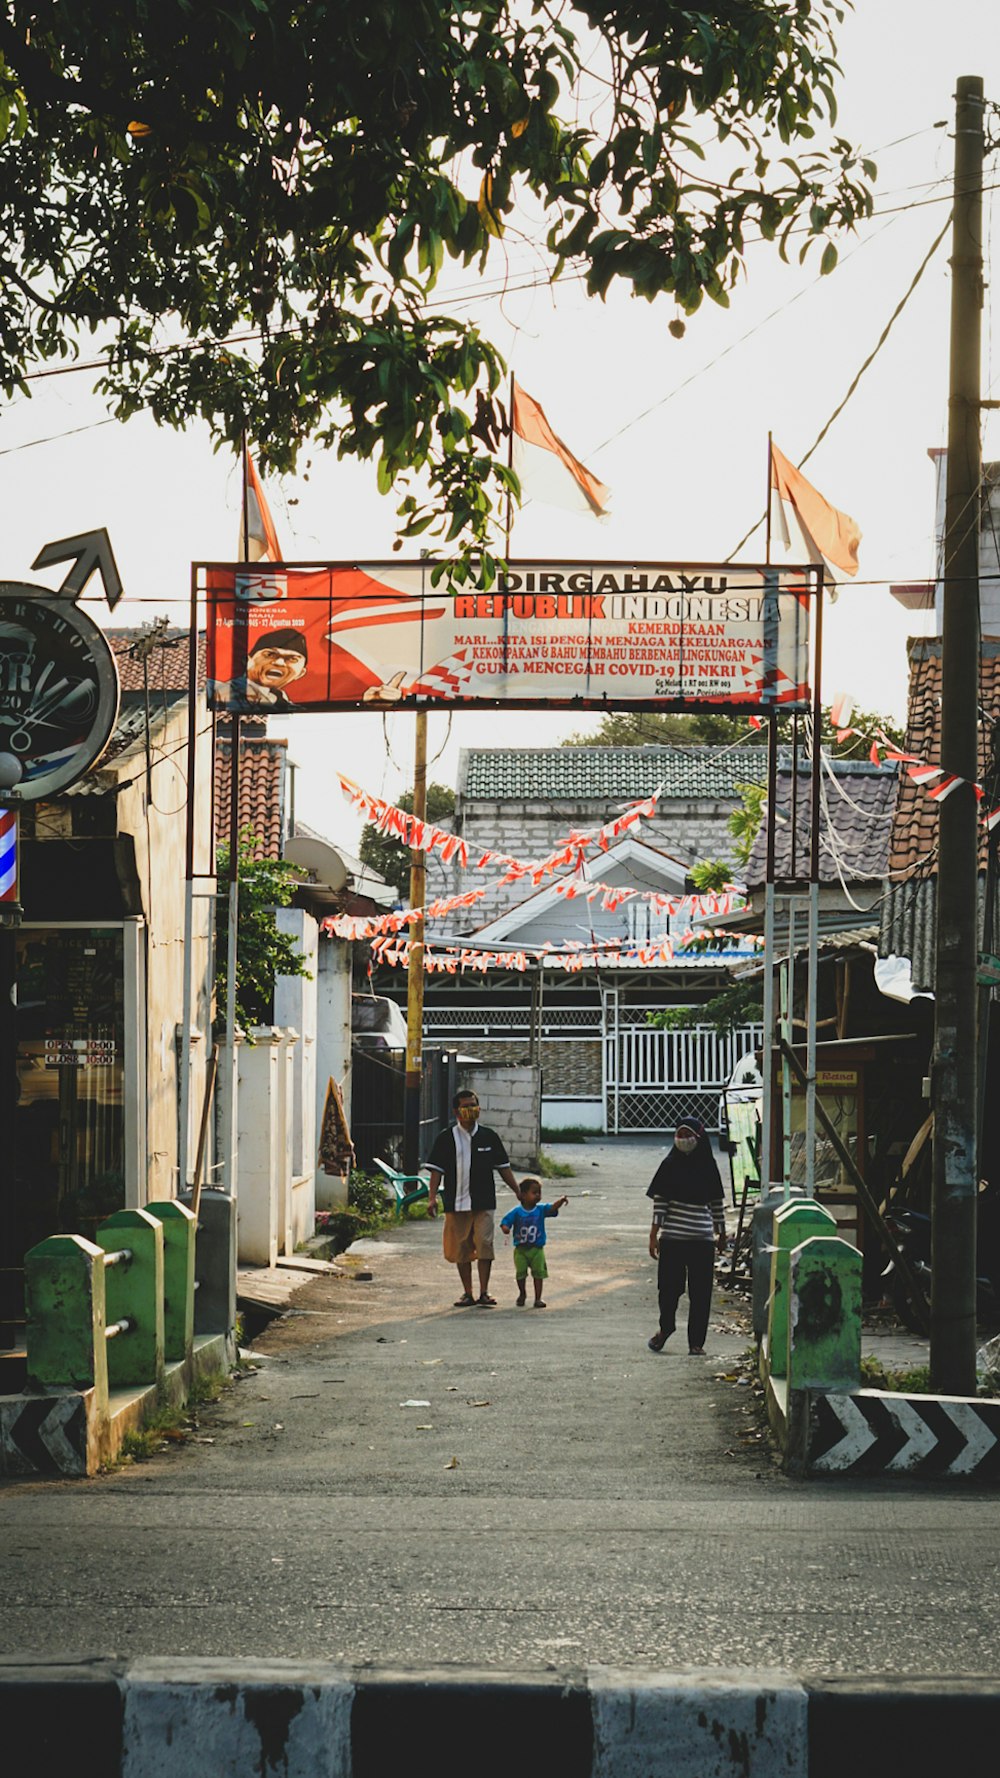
(599, 773)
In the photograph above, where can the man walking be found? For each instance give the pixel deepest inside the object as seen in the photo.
(465, 1158)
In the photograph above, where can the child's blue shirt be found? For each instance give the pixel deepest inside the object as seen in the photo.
(528, 1225)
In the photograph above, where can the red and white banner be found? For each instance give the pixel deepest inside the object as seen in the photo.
(355, 926)
(343, 636)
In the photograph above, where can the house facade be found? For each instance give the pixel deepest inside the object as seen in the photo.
(603, 1065)
(97, 971)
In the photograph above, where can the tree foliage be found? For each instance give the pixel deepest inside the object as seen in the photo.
(649, 728)
(655, 728)
(249, 204)
(742, 1003)
(384, 853)
(262, 952)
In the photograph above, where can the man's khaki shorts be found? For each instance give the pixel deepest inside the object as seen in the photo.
(468, 1235)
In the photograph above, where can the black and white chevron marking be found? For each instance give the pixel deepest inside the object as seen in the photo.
(873, 1433)
(43, 1435)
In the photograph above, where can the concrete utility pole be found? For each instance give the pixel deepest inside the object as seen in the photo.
(415, 970)
(953, 1093)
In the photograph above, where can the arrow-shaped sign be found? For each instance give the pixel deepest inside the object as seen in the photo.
(858, 1435)
(980, 1438)
(920, 1439)
(89, 553)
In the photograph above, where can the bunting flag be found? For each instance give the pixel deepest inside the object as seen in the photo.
(933, 778)
(571, 955)
(715, 904)
(803, 519)
(258, 537)
(546, 467)
(422, 836)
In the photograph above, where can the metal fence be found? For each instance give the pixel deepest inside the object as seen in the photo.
(646, 1079)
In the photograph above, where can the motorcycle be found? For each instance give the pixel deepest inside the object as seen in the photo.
(911, 1230)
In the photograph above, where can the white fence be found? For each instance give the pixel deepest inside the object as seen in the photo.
(604, 1056)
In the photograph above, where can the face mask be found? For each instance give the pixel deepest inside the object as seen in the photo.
(686, 1144)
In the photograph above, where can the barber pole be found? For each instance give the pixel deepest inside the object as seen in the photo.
(8, 858)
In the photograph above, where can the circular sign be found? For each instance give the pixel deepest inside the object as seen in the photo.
(58, 688)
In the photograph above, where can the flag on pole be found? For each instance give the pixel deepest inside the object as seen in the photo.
(803, 519)
(546, 467)
(258, 537)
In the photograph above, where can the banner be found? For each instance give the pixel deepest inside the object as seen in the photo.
(338, 636)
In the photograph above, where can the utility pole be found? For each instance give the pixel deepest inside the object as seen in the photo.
(953, 1092)
(415, 969)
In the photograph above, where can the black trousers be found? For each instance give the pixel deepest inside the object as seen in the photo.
(690, 1263)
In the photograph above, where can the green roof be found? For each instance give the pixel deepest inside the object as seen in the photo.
(575, 773)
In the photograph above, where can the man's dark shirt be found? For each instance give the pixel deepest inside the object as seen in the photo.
(487, 1152)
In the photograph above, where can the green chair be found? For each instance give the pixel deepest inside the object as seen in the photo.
(408, 1188)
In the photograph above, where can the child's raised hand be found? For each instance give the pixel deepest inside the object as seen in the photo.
(559, 1203)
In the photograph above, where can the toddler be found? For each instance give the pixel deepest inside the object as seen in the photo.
(528, 1225)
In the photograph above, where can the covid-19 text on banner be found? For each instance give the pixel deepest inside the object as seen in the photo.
(336, 636)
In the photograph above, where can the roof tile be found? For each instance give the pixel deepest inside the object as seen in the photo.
(541, 774)
(855, 817)
(915, 826)
(262, 765)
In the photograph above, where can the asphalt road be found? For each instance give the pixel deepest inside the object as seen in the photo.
(561, 1497)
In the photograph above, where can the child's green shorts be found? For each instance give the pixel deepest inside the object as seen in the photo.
(529, 1259)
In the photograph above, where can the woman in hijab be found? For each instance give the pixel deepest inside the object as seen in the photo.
(688, 1222)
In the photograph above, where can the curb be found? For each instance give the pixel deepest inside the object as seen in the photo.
(162, 1717)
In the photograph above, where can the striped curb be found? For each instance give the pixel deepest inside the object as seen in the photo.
(870, 1432)
(44, 1434)
(208, 1718)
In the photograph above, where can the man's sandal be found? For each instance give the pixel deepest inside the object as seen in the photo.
(464, 1302)
(487, 1302)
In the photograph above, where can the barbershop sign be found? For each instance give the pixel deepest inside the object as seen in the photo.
(548, 634)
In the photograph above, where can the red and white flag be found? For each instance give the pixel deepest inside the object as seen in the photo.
(804, 521)
(547, 468)
(258, 537)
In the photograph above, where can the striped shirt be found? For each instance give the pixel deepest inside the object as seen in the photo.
(688, 1222)
(688, 1202)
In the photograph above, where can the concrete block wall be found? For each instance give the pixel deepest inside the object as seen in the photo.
(511, 1101)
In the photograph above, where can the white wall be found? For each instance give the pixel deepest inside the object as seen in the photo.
(157, 825)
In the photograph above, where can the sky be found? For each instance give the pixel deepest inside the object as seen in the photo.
(677, 428)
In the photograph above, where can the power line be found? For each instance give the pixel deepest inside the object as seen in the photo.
(873, 354)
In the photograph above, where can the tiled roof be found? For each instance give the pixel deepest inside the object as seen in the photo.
(168, 661)
(855, 824)
(915, 828)
(580, 773)
(262, 765)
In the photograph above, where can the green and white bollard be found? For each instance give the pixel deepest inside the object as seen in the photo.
(179, 1230)
(824, 1318)
(793, 1223)
(65, 1299)
(134, 1294)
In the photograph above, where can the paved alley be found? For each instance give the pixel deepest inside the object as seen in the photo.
(404, 1482)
